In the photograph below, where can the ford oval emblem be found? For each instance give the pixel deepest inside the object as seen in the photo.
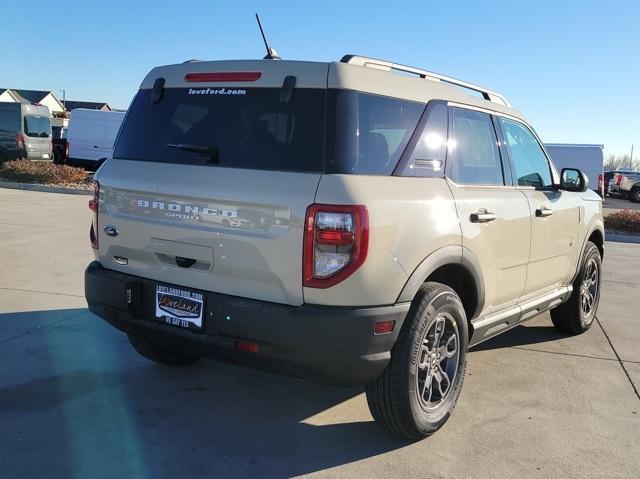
(110, 230)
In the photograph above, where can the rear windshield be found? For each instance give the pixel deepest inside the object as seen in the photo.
(37, 126)
(238, 128)
(334, 131)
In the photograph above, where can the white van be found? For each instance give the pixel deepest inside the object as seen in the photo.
(91, 136)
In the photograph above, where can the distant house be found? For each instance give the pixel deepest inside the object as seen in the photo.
(8, 95)
(46, 98)
(91, 105)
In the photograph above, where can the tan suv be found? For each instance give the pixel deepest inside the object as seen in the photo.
(356, 222)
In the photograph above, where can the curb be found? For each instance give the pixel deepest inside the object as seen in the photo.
(621, 238)
(43, 188)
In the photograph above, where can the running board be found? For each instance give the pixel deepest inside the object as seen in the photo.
(503, 320)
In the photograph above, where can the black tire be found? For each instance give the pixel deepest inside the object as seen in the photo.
(571, 317)
(394, 398)
(634, 196)
(160, 354)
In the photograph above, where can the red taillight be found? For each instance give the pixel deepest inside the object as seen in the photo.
(245, 346)
(222, 76)
(336, 242)
(20, 141)
(618, 179)
(601, 183)
(93, 206)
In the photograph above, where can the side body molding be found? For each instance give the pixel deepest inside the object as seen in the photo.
(454, 254)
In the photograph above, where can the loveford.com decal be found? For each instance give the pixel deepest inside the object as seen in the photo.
(217, 91)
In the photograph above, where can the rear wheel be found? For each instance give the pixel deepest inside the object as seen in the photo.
(635, 195)
(576, 315)
(160, 354)
(418, 390)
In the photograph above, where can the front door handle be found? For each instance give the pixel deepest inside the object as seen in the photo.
(482, 216)
(544, 211)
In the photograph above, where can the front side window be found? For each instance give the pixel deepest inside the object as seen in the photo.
(529, 161)
(474, 149)
(37, 126)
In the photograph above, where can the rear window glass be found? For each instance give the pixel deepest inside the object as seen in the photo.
(238, 128)
(369, 132)
(37, 126)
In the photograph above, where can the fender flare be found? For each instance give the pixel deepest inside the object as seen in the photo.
(453, 254)
(595, 226)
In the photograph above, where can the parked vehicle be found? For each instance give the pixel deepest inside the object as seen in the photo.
(91, 135)
(608, 177)
(60, 144)
(25, 132)
(339, 222)
(587, 158)
(626, 185)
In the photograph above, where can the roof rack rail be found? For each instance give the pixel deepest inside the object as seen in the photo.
(390, 66)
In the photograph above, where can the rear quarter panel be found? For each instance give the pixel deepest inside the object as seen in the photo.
(409, 218)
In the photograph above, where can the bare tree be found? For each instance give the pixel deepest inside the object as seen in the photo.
(615, 162)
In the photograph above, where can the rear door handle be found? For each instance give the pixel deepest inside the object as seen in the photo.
(482, 216)
(544, 211)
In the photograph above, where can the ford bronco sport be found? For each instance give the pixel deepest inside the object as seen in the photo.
(356, 222)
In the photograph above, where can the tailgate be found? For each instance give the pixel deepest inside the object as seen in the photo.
(242, 230)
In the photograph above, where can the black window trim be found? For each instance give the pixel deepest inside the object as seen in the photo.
(405, 158)
(552, 171)
(505, 183)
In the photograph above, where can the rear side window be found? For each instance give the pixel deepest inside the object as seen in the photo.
(474, 149)
(37, 126)
(529, 161)
(369, 132)
(238, 128)
(10, 118)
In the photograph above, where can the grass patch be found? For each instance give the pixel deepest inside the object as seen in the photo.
(44, 173)
(626, 221)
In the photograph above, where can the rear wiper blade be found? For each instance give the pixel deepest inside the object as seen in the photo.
(212, 152)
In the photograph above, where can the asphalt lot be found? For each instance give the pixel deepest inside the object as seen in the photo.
(617, 204)
(77, 401)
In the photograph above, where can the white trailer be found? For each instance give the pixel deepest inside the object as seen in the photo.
(588, 158)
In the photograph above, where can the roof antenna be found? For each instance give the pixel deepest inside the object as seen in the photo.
(272, 54)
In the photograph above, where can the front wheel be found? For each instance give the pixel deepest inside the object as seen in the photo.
(418, 390)
(576, 315)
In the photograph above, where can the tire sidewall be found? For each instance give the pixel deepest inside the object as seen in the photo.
(635, 195)
(591, 252)
(446, 301)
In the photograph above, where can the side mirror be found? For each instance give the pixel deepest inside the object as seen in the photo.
(572, 179)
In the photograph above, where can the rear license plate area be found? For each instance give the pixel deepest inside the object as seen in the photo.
(179, 307)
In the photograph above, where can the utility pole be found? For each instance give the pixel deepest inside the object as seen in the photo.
(64, 99)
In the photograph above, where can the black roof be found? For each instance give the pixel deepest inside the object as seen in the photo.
(34, 96)
(91, 105)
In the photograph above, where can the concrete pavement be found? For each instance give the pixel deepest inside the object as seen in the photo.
(77, 401)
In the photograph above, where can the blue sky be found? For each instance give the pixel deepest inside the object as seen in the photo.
(573, 67)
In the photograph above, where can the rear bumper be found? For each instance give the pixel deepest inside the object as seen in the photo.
(334, 345)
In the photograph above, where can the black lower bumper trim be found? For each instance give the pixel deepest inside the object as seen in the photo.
(330, 344)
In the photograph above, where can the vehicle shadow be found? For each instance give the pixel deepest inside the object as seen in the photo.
(88, 403)
(522, 335)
